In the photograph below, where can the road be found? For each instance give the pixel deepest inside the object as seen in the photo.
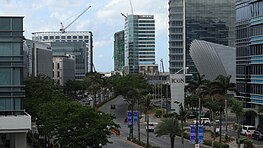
(120, 141)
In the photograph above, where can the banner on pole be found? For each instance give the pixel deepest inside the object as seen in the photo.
(129, 118)
(192, 134)
(135, 116)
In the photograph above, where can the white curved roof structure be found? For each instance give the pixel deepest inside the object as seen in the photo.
(213, 59)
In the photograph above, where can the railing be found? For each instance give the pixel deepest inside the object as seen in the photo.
(13, 112)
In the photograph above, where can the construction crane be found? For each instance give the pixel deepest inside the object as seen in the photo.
(63, 29)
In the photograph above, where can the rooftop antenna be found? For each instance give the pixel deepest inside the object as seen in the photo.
(131, 6)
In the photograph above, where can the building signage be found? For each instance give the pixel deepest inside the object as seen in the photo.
(177, 84)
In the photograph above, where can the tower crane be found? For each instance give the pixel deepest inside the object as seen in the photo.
(63, 29)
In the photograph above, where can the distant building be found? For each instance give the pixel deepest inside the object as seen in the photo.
(37, 58)
(209, 20)
(63, 69)
(139, 36)
(14, 121)
(213, 59)
(73, 48)
(119, 51)
(78, 38)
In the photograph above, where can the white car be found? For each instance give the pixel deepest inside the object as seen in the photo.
(205, 121)
(151, 127)
(247, 129)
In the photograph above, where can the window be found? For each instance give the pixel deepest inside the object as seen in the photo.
(5, 24)
(63, 37)
(45, 37)
(58, 73)
(68, 37)
(80, 37)
(17, 24)
(5, 76)
(57, 65)
(74, 37)
(86, 37)
(51, 37)
(57, 37)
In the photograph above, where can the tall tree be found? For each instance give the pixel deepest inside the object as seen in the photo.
(237, 108)
(131, 87)
(183, 114)
(39, 90)
(195, 87)
(146, 104)
(74, 125)
(224, 85)
(94, 82)
(73, 88)
(170, 127)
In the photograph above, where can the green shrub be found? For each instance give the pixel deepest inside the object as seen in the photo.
(247, 143)
(141, 143)
(216, 144)
(158, 113)
(170, 115)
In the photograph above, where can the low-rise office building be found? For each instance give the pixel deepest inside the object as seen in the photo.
(37, 59)
(63, 69)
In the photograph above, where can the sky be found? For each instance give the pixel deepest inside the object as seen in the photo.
(103, 19)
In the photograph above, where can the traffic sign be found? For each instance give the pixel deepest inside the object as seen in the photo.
(129, 118)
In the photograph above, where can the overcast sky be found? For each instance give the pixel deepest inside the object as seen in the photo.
(103, 19)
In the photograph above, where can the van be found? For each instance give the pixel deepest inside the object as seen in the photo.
(247, 129)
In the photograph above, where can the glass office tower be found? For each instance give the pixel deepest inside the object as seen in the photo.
(139, 42)
(15, 122)
(249, 60)
(11, 63)
(209, 20)
(119, 51)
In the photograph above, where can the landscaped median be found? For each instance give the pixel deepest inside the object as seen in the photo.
(141, 143)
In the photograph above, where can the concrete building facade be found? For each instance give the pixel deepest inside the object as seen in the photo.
(63, 69)
(139, 36)
(37, 59)
(209, 20)
(14, 121)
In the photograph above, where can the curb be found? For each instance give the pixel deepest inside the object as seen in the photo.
(132, 143)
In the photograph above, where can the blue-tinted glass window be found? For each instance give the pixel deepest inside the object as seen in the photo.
(5, 24)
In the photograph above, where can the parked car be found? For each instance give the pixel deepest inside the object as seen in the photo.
(258, 134)
(205, 121)
(247, 129)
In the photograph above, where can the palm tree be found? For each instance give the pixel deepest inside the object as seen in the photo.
(212, 103)
(169, 126)
(195, 87)
(183, 114)
(146, 104)
(237, 108)
(224, 85)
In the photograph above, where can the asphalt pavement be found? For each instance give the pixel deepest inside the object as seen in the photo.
(120, 112)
